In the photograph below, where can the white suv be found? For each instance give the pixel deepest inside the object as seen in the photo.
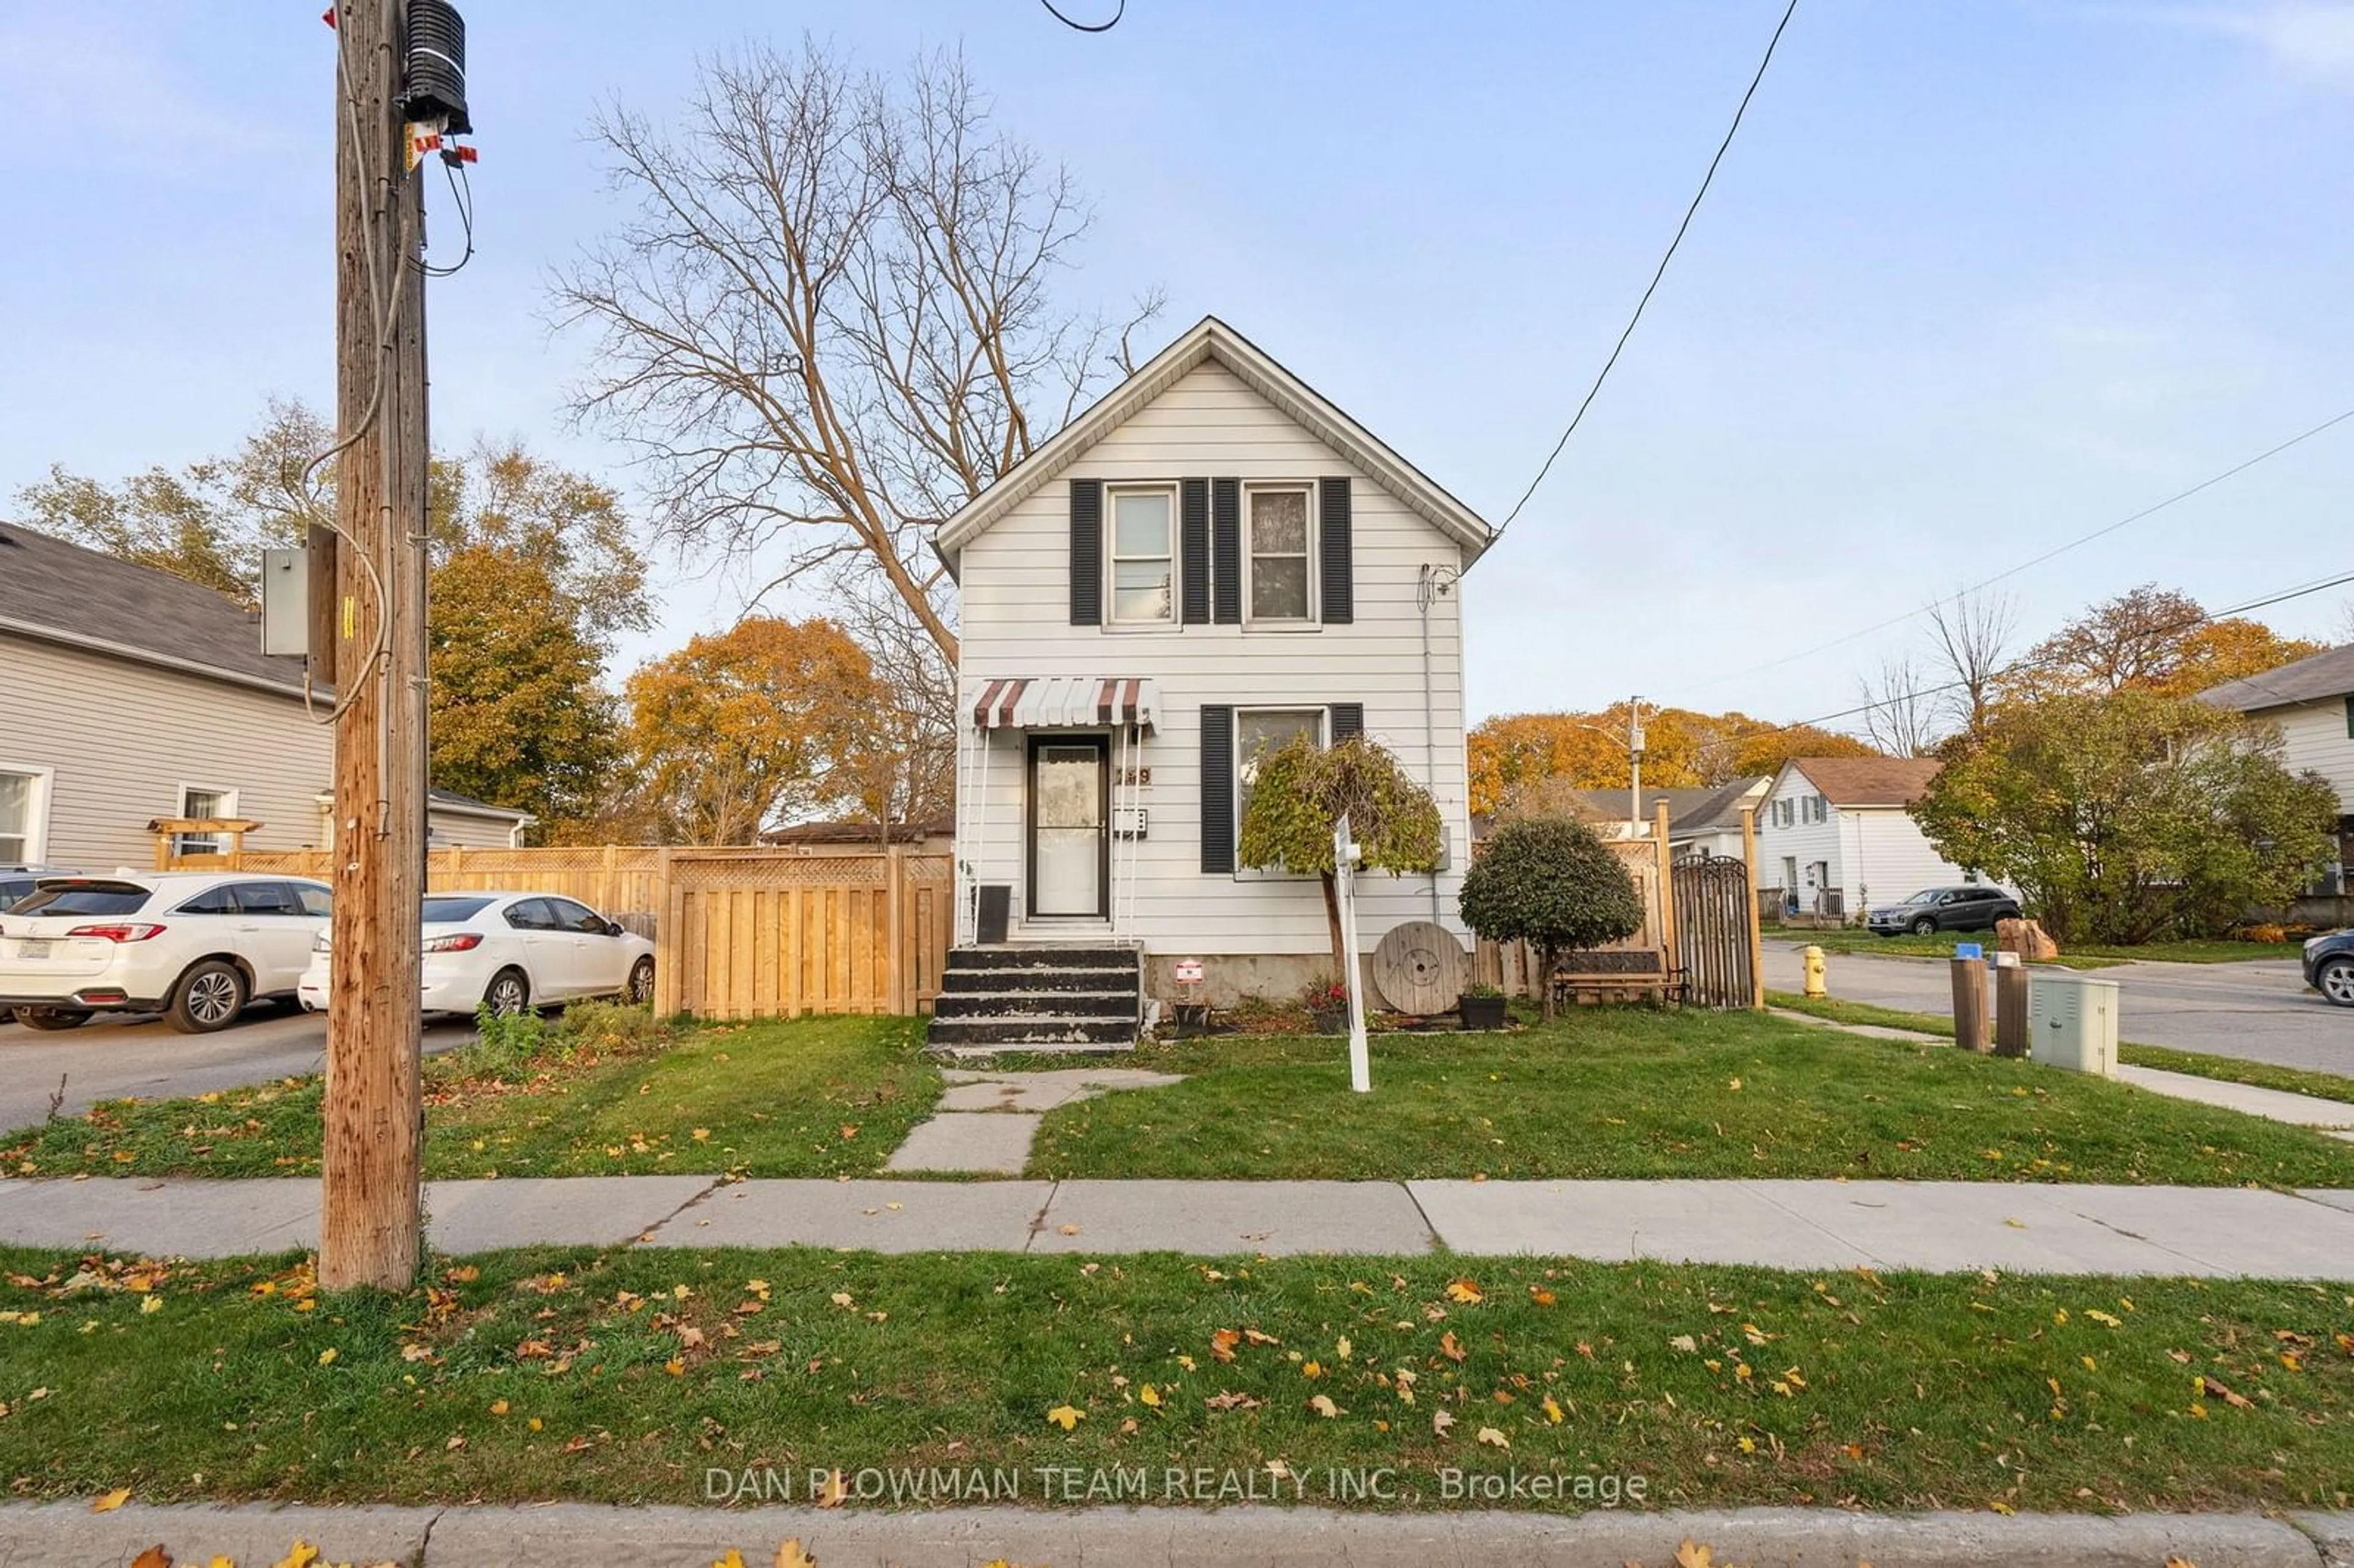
(194, 946)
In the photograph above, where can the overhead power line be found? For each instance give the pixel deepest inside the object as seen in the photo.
(1658, 273)
(1117, 13)
(2057, 550)
(2184, 624)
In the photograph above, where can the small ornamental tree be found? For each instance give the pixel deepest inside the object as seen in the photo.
(1550, 882)
(1304, 789)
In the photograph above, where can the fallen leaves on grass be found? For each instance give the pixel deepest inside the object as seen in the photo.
(2210, 1385)
(1066, 1417)
(111, 1500)
(1322, 1405)
(1464, 1293)
(1450, 1347)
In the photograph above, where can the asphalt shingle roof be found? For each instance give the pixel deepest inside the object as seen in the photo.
(46, 583)
(1869, 780)
(2314, 680)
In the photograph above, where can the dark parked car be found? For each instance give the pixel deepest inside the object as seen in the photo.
(1972, 908)
(2329, 966)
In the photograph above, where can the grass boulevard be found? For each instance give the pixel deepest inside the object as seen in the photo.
(632, 1377)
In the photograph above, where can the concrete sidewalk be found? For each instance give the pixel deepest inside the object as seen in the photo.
(67, 1535)
(1937, 1226)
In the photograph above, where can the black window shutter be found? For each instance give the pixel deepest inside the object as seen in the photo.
(1348, 719)
(1193, 569)
(1227, 551)
(1336, 550)
(1087, 552)
(1218, 788)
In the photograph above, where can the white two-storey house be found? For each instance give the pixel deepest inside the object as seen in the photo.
(1211, 560)
(1836, 834)
(2311, 703)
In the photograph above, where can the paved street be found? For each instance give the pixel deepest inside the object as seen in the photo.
(2260, 1012)
(109, 1058)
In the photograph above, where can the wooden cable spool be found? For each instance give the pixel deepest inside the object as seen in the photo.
(1419, 968)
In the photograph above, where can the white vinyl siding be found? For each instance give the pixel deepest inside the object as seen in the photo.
(1888, 858)
(1014, 623)
(120, 739)
(2313, 738)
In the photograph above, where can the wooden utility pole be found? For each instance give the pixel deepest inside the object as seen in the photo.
(370, 1215)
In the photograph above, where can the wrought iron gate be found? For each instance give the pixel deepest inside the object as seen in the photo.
(1712, 898)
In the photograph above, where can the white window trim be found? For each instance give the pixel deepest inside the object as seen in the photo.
(1314, 621)
(180, 809)
(1174, 619)
(1323, 713)
(36, 809)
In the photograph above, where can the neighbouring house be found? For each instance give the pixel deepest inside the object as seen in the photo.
(1211, 560)
(1702, 821)
(1836, 835)
(2311, 703)
(128, 695)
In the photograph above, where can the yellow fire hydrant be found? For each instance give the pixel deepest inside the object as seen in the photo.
(1815, 986)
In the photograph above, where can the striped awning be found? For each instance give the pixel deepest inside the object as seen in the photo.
(1064, 701)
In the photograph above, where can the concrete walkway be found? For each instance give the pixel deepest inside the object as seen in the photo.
(985, 1122)
(67, 1535)
(1942, 1227)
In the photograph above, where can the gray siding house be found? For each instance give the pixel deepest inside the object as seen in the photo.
(129, 695)
(1211, 559)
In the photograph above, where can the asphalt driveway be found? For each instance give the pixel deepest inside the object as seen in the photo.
(110, 1058)
(2260, 1011)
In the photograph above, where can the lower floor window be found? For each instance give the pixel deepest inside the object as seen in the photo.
(1259, 733)
(199, 805)
(19, 803)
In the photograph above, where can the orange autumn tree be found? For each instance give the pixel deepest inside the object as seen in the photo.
(746, 728)
(1683, 748)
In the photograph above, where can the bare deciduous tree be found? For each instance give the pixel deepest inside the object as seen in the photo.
(829, 319)
(1972, 633)
(1902, 717)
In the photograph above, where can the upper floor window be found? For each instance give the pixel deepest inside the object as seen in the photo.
(1144, 557)
(1279, 549)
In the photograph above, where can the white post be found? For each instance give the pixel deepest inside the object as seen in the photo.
(1344, 888)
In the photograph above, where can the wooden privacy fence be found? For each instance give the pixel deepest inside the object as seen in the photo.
(738, 933)
(619, 880)
(765, 932)
(1698, 918)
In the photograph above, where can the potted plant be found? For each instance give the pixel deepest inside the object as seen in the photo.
(1482, 1007)
(1327, 1004)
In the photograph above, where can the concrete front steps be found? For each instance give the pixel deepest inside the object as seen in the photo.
(1038, 996)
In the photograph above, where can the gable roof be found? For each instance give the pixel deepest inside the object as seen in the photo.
(1689, 811)
(1867, 781)
(2317, 679)
(1211, 339)
(63, 593)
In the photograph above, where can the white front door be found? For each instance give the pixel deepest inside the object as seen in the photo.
(1068, 824)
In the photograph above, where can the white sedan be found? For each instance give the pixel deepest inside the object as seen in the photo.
(196, 946)
(508, 951)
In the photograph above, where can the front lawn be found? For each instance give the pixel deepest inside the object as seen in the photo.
(2087, 955)
(630, 1376)
(814, 1096)
(1630, 1092)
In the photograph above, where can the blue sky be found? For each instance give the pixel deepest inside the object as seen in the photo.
(1977, 277)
